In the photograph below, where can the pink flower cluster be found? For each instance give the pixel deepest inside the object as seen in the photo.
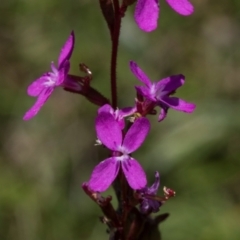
(121, 131)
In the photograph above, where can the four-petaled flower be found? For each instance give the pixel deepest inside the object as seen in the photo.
(149, 205)
(147, 12)
(44, 86)
(158, 92)
(110, 134)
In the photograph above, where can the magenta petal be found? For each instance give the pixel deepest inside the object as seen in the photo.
(42, 98)
(170, 84)
(163, 114)
(66, 50)
(62, 73)
(139, 74)
(35, 88)
(123, 113)
(104, 174)
(134, 174)
(54, 69)
(127, 111)
(136, 134)
(144, 91)
(146, 14)
(105, 108)
(154, 188)
(183, 7)
(108, 130)
(178, 104)
(66, 67)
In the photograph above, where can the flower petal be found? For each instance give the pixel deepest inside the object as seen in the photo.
(36, 87)
(134, 173)
(146, 14)
(178, 104)
(148, 206)
(139, 74)
(104, 174)
(108, 130)
(54, 69)
(154, 188)
(66, 50)
(62, 73)
(144, 91)
(118, 114)
(136, 134)
(42, 98)
(163, 113)
(169, 84)
(183, 7)
(123, 113)
(106, 108)
(127, 111)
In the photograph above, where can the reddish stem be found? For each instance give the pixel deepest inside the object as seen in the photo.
(115, 41)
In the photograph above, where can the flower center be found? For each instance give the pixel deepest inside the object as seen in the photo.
(52, 77)
(121, 154)
(51, 81)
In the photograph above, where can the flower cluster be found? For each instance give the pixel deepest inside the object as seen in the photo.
(121, 130)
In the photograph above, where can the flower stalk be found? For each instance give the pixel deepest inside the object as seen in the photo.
(121, 130)
(115, 41)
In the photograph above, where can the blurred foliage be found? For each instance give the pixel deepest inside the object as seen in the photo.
(44, 161)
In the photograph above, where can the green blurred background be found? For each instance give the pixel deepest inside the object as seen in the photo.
(44, 161)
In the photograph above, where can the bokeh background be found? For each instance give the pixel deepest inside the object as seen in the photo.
(44, 161)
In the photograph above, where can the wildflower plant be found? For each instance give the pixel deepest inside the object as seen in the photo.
(122, 130)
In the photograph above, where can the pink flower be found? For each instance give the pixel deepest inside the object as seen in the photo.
(159, 92)
(43, 87)
(110, 134)
(147, 12)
